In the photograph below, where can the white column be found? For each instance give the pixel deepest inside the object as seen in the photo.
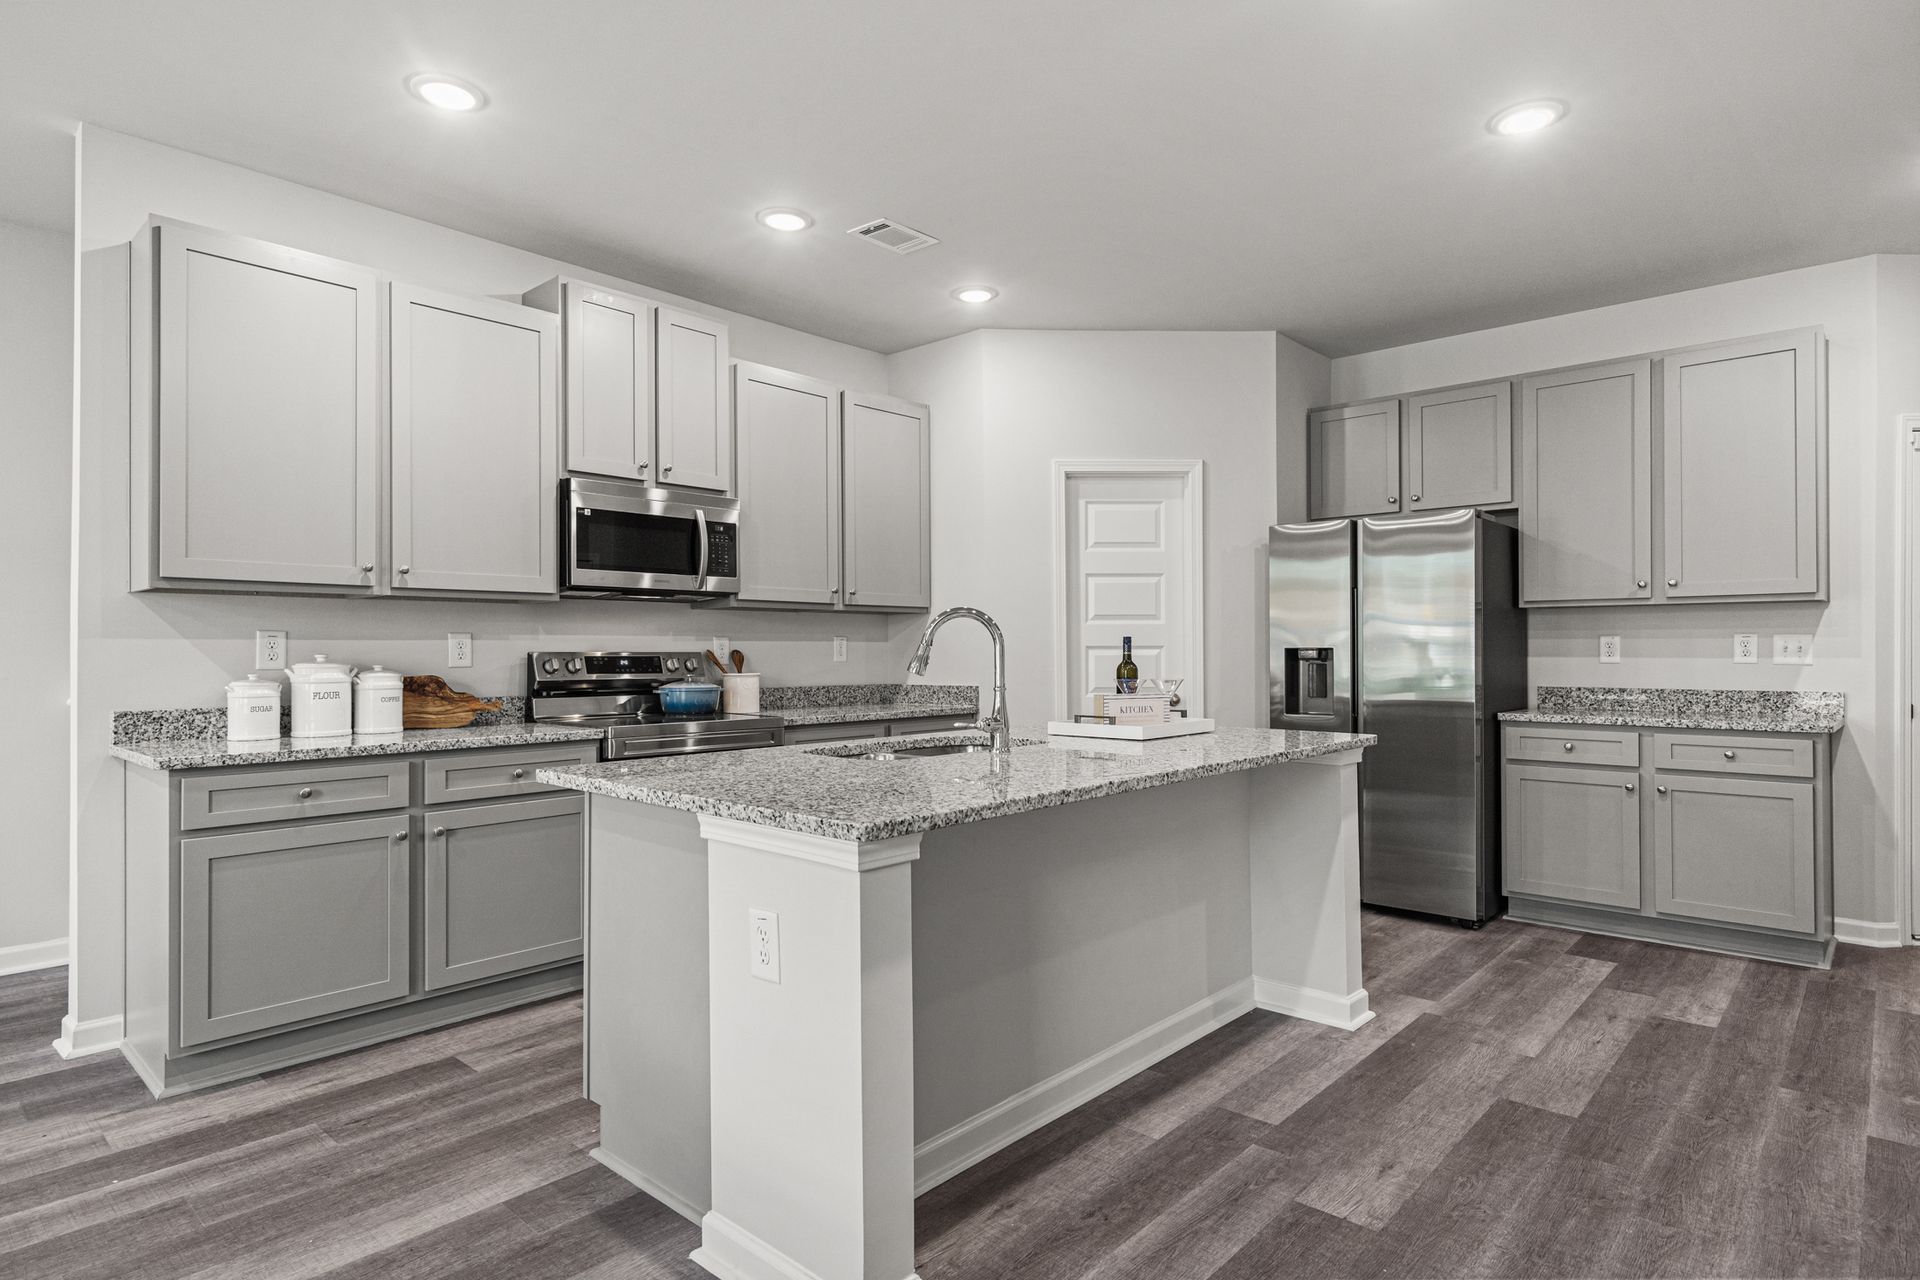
(1305, 881)
(812, 1076)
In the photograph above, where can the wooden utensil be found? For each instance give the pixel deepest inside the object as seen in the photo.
(718, 665)
(739, 661)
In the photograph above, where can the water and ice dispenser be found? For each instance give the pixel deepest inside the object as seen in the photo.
(1309, 682)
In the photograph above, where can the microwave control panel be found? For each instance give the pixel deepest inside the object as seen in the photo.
(721, 540)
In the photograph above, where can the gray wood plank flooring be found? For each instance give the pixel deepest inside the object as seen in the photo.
(1528, 1103)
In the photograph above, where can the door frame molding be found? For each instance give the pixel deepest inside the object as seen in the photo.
(1907, 556)
(1192, 475)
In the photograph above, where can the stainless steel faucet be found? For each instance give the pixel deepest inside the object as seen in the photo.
(998, 728)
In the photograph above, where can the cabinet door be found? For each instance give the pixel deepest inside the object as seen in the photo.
(1738, 850)
(609, 406)
(1572, 834)
(504, 888)
(1353, 460)
(888, 503)
(1586, 487)
(1460, 448)
(475, 453)
(291, 923)
(1742, 465)
(267, 448)
(695, 422)
(788, 429)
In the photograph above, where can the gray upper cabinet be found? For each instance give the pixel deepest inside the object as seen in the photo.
(262, 464)
(789, 433)
(1353, 460)
(1572, 834)
(1743, 454)
(1460, 448)
(607, 393)
(475, 453)
(888, 504)
(504, 889)
(289, 923)
(695, 419)
(1735, 850)
(1586, 491)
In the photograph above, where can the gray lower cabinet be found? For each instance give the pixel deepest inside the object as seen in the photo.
(1573, 833)
(1736, 850)
(504, 889)
(1353, 460)
(290, 923)
(1586, 485)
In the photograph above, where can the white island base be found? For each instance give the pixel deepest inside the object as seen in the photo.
(940, 994)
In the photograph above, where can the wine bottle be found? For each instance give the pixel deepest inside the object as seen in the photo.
(1126, 676)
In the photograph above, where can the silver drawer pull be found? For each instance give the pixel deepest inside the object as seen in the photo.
(1727, 754)
(1661, 790)
(1642, 584)
(306, 793)
(439, 831)
(401, 836)
(1567, 745)
(1630, 788)
(1673, 582)
(519, 773)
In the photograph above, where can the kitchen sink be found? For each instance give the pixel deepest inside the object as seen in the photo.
(942, 749)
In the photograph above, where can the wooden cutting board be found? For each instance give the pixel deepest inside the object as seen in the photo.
(431, 703)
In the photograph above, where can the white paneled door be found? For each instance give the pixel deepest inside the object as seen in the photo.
(1130, 564)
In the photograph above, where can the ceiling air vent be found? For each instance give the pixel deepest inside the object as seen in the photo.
(889, 234)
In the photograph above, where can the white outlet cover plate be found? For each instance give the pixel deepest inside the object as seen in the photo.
(1746, 648)
(1793, 650)
(763, 944)
(839, 648)
(459, 648)
(722, 646)
(269, 651)
(1609, 648)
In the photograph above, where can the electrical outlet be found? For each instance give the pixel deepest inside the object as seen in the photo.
(839, 648)
(722, 646)
(269, 651)
(459, 648)
(1793, 651)
(1609, 648)
(763, 945)
(1746, 648)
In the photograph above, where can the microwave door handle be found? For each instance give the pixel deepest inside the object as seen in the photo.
(700, 517)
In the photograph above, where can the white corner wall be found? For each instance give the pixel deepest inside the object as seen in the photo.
(36, 398)
(143, 651)
(1872, 370)
(1008, 403)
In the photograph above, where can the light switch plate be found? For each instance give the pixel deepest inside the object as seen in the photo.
(763, 944)
(1746, 648)
(839, 648)
(459, 648)
(1609, 648)
(269, 651)
(1793, 651)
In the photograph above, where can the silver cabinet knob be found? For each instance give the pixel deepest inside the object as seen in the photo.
(1727, 754)
(667, 470)
(406, 569)
(851, 594)
(306, 793)
(1642, 584)
(519, 773)
(1673, 582)
(642, 467)
(1416, 497)
(1394, 500)
(1661, 790)
(439, 831)
(401, 836)
(366, 568)
(1630, 788)
(1567, 745)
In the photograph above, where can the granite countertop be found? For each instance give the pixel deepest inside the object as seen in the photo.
(853, 703)
(824, 791)
(206, 753)
(1747, 710)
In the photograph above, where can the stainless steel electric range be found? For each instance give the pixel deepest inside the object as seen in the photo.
(619, 692)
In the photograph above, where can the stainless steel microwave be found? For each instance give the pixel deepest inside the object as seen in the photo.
(627, 539)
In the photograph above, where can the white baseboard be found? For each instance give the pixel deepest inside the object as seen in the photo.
(977, 1137)
(1868, 933)
(1345, 1012)
(732, 1252)
(96, 1035)
(29, 956)
(679, 1204)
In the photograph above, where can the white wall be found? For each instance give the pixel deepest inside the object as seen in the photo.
(1010, 402)
(36, 397)
(1871, 376)
(147, 650)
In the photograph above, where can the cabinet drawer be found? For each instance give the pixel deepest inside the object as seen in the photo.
(1574, 746)
(1778, 757)
(279, 795)
(481, 775)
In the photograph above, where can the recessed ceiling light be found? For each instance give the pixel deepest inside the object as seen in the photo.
(784, 219)
(976, 293)
(449, 93)
(1527, 117)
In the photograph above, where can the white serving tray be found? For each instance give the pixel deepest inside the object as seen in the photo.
(1180, 728)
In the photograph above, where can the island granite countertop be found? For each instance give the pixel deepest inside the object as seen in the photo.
(1743, 710)
(829, 791)
(200, 752)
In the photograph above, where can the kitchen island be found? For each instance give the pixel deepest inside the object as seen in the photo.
(820, 981)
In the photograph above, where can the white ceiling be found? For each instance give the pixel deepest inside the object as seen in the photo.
(1319, 167)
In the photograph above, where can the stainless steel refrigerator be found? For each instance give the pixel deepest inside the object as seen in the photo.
(1407, 627)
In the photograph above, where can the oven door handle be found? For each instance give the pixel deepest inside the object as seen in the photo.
(700, 518)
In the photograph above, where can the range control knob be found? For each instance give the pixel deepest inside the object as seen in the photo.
(573, 665)
(673, 664)
(550, 666)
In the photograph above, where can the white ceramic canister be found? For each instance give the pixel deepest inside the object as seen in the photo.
(253, 710)
(740, 693)
(322, 698)
(379, 703)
